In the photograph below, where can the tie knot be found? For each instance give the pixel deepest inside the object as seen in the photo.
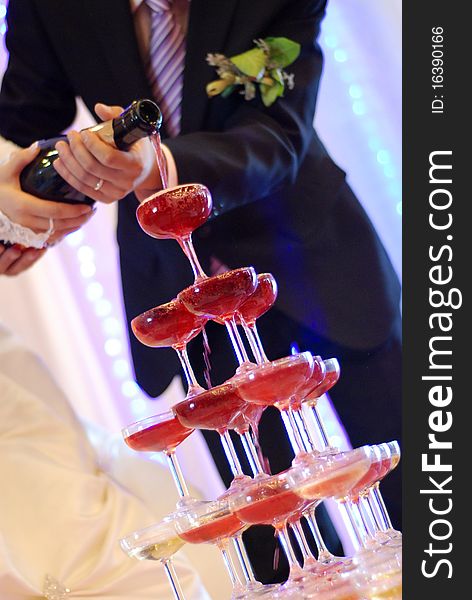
(159, 5)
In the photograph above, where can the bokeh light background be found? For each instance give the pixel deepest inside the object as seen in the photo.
(68, 308)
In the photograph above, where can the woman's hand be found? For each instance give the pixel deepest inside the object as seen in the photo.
(15, 260)
(87, 162)
(32, 212)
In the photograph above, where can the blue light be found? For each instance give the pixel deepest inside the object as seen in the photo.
(355, 91)
(121, 368)
(340, 55)
(330, 41)
(359, 108)
(3, 11)
(103, 307)
(399, 208)
(130, 388)
(138, 406)
(383, 157)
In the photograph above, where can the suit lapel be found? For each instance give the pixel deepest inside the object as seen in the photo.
(209, 25)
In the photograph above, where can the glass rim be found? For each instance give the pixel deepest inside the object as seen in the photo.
(146, 422)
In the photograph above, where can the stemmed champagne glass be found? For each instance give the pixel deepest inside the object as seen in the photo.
(385, 532)
(214, 409)
(211, 522)
(158, 542)
(219, 297)
(270, 501)
(260, 301)
(331, 475)
(175, 213)
(161, 433)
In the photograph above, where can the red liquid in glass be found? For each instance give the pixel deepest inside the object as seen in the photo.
(328, 382)
(221, 295)
(160, 437)
(275, 382)
(316, 378)
(385, 467)
(249, 416)
(167, 325)
(275, 507)
(175, 212)
(260, 301)
(212, 409)
(160, 159)
(367, 480)
(217, 529)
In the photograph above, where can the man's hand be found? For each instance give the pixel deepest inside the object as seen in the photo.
(86, 160)
(15, 260)
(32, 212)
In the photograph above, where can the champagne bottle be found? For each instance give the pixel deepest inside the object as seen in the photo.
(141, 119)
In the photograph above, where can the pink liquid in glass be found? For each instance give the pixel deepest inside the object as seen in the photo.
(160, 159)
(160, 437)
(216, 529)
(367, 479)
(175, 212)
(275, 382)
(260, 301)
(330, 379)
(221, 295)
(168, 325)
(212, 409)
(271, 504)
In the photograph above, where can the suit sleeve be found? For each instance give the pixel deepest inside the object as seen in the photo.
(259, 150)
(36, 99)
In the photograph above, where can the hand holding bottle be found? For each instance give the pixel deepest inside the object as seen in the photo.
(100, 170)
(31, 212)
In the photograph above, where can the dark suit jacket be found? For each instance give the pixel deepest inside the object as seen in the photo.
(281, 204)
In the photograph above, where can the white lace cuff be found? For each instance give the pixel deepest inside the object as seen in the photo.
(14, 233)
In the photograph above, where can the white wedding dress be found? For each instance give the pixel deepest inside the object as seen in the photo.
(63, 507)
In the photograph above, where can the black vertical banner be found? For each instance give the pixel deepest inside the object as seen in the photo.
(437, 326)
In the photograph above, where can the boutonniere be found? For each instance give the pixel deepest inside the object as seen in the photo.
(261, 66)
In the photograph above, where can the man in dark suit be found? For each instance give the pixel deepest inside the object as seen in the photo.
(280, 203)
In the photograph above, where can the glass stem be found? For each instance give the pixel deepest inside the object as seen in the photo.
(258, 340)
(381, 505)
(370, 505)
(284, 539)
(252, 343)
(366, 517)
(230, 452)
(187, 368)
(251, 453)
(173, 579)
(229, 564)
(187, 246)
(320, 427)
(177, 474)
(292, 432)
(323, 552)
(243, 558)
(302, 541)
(307, 438)
(353, 522)
(236, 341)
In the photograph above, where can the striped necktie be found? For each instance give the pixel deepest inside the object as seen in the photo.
(166, 62)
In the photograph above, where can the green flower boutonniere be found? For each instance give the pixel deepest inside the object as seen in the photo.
(262, 66)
